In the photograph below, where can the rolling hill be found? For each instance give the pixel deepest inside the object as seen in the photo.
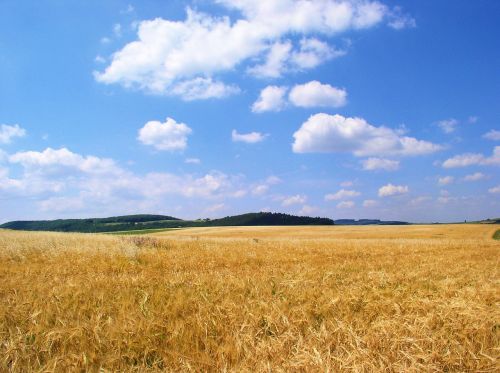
(141, 222)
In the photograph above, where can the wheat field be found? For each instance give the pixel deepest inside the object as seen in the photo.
(252, 299)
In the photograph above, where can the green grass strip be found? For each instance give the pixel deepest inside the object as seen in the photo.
(496, 236)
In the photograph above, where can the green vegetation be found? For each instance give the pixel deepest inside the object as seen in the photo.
(137, 223)
(496, 236)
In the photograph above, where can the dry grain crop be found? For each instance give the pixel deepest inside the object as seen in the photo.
(392, 299)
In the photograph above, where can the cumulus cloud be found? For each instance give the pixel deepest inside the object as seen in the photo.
(341, 194)
(8, 132)
(474, 159)
(392, 190)
(167, 52)
(294, 200)
(492, 135)
(275, 63)
(494, 190)
(345, 205)
(271, 98)
(313, 52)
(57, 159)
(475, 176)
(249, 138)
(168, 136)
(372, 164)
(445, 180)
(324, 133)
(202, 89)
(316, 94)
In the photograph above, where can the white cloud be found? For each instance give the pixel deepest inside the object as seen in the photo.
(271, 98)
(260, 189)
(169, 136)
(324, 133)
(392, 190)
(249, 138)
(202, 45)
(315, 94)
(420, 200)
(307, 210)
(8, 132)
(202, 89)
(294, 200)
(492, 135)
(370, 203)
(99, 59)
(192, 161)
(56, 159)
(345, 205)
(474, 159)
(275, 63)
(494, 190)
(341, 194)
(445, 180)
(263, 187)
(371, 164)
(475, 176)
(312, 53)
(398, 20)
(117, 30)
(448, 125)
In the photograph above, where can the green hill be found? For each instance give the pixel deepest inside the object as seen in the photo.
(141, 222)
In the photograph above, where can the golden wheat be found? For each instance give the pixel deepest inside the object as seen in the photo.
(392, 299)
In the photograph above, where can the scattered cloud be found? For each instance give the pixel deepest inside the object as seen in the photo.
(294, 200)
(249, 138)
(316, 94)
(271, 98)
(347, 184)
(169, 136)
(372, 164)
(399, 21)
(472, 119)
(494, 190)
(475, 176)
(474, 159)
(192, 161)
(54, 160)
(275, 63)
(117, 30)
(8, 132)
(448, 125)
(202, 89)
(341, 194)
(492, 135)
(312, 53)
(445, 180)
(324, 133)
(370, 203)
(392, 190)
(308, 210)
(345, 205)
(167, 52)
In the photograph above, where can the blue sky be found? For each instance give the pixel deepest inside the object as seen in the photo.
(207, 108)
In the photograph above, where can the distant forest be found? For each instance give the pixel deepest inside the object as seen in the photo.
(140, 222)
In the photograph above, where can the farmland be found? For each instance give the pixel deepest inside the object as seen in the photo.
(318, 298)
